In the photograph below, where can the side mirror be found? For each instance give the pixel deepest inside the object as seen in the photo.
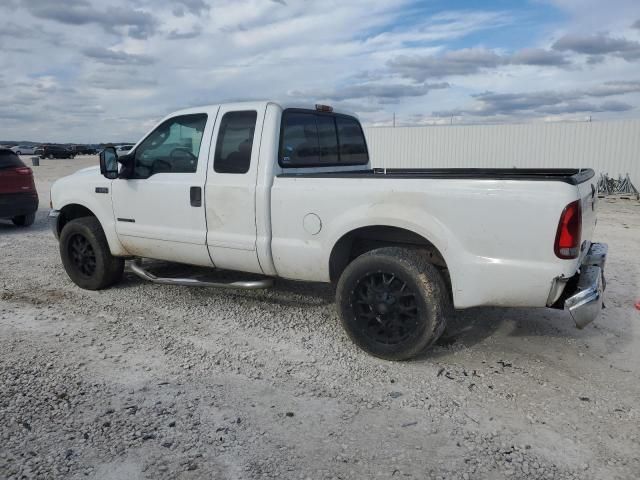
(109, 163)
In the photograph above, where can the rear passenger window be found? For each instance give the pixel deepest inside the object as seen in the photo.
(309, 139)
(235, 142)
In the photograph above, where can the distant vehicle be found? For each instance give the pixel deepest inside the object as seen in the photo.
(123, 149)
(24, 149)
(83, 150)
(18, 195)
(54, 151)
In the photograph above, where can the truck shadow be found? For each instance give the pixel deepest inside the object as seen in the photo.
(468, 328)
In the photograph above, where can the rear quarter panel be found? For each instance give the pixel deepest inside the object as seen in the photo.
(496, 236)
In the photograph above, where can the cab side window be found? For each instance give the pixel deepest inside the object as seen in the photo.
(235, 142)
(173, 147)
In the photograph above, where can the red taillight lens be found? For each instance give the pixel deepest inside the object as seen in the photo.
(567, 244)
(23, 170)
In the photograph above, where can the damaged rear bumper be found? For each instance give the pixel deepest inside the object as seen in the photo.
(583, 294)
(585, 305)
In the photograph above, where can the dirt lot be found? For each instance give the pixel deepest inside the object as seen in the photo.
(146, 381)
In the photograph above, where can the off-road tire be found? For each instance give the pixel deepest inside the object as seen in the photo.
(24, 220)
(101, 272)
(424, 288)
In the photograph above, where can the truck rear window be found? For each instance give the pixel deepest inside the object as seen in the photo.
(312, 139)
(9, 159)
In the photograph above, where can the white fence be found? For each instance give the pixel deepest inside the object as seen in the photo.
(607, 147)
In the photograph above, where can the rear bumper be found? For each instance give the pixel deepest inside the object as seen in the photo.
(16, 204)
(586, 298)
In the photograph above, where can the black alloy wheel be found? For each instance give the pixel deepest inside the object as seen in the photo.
(86, 256)
(82, 255)
(393, 303)
(385, 308)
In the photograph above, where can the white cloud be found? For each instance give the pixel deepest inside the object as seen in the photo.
(105, 70)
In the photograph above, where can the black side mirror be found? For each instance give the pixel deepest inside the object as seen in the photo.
(109, 163)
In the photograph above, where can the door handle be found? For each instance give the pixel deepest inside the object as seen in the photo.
(195, 195)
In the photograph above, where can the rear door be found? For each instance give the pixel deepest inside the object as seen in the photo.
(160, 210)
(231, 188)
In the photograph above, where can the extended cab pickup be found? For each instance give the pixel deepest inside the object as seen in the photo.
(290, 192)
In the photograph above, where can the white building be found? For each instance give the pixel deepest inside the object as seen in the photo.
(607, 147)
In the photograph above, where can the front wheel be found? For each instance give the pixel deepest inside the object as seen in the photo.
(393, 303)
(50, 156)
(86, 256)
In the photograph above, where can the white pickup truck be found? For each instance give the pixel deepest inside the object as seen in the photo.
(290, 192)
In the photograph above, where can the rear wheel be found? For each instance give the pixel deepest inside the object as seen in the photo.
(86, 256)
(50, 156)
(24, 220)
(393, 303)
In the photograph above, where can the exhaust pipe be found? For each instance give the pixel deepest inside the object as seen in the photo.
(136, 268)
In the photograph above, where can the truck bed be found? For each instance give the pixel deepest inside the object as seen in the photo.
(572, 176)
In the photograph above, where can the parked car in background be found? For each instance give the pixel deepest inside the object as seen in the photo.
(18, 195)
(123, 149)
(83, 150)
(24, 149)
(54, 151)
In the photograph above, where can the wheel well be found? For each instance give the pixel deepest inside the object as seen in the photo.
(71, 212)
(365, 239)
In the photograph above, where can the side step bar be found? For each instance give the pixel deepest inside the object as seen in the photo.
(136, 268)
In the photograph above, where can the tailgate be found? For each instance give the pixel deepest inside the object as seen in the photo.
(588, 194)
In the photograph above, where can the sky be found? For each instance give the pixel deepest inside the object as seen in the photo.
(90, 71)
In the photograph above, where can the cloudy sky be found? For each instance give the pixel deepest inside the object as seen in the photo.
(107, 70)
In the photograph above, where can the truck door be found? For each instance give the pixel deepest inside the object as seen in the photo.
(160, 210)
(230, 193)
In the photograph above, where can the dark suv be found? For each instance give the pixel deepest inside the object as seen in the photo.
(54, 151)
(83, 150)
(18, 196)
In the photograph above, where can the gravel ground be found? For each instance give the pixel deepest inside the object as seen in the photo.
(149, 381)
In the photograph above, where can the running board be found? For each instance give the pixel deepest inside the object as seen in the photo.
(136, 268)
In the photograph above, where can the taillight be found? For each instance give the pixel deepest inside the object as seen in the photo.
(23, 170)
(567, 244)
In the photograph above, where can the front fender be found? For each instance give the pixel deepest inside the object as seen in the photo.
(92, 192)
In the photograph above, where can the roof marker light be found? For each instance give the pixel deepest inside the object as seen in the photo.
(323, 108)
